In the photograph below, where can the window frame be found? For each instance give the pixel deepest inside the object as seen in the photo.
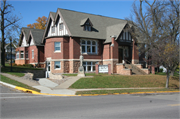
(17, 54)
(86, 65)
(55, 65)
(32, 54)
(61, 26)
(26, 54)
(59, 47)
(53, 29)
(22, 54)
(86, 46)
(126, 53)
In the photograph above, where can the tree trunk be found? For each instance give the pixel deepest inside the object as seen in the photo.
(172, 73)
(167, 79)
(173, 70)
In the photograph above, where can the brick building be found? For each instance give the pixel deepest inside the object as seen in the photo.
(69, 34)
(30, 50)
(100, 39)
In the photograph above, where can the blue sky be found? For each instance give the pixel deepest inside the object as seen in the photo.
(29, 11)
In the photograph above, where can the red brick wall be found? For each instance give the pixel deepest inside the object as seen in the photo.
(41, 53)
(35, 60)
(106, 51)
(49, 48)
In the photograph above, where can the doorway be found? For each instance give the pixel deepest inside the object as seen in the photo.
(48, 68)
(120, 55)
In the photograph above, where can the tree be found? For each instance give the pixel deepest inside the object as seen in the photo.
(40, 24)
(156, 24)
(9, 23)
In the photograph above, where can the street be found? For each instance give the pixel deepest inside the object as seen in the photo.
(91, 107)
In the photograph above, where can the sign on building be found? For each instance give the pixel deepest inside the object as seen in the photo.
(103, 68)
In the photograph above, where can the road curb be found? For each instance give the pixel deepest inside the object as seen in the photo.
(153, 92)
(32, 91)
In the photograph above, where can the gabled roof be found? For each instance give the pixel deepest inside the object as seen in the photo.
(24, 31)
(84, 21)
(103, 27)
(37, 35)
(9, 44)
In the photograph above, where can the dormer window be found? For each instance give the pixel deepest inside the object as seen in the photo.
(86, 24)
(87, 27)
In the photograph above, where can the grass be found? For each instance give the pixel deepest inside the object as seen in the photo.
(16, 83)
(87, 74)
(120, 81)
(17, 70)
(123, 91)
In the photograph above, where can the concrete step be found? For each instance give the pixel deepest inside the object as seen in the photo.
(134, 70)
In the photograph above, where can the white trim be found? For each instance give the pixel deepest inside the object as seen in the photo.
(49, 59)
(110, 60)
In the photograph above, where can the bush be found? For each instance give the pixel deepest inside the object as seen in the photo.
(160, 70)
(13, 64)
(28, 65)
(19, 65)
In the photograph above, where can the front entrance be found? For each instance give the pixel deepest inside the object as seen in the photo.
(120, 55)
(48, 67)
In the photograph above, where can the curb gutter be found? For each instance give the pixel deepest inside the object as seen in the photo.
(32, 91)
(153, 92)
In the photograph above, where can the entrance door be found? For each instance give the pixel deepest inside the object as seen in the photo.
(120, 55)
(48, 64)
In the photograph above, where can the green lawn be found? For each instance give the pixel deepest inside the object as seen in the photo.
(87, 74)
(16, 83)
(122, 91)
(16, 70)
(120, 81)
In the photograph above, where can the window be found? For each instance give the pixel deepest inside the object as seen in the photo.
(61, 26)
(17, 55)
(126, 52)
(89, 46)
(87, 28)
(126, 36)
(53, 29)
(57, 65)
(57, 46)
(89, 66)
(32, 54)
(26, 54)
(22, 54)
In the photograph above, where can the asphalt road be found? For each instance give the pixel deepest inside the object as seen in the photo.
(91, 107)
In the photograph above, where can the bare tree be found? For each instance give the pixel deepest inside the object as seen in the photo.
(156, 24)
(9, 23)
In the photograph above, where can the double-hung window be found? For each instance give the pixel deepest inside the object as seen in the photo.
(57, 46)
(32, 54)
(22, 54)
(89, 46)
(17, 55)
(57, 65)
